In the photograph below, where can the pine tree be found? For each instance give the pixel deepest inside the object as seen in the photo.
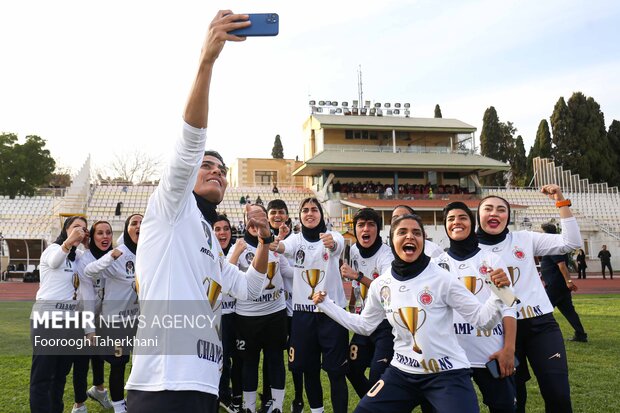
(590, 135)
(613, 137)
(518, 162)
(543, 140)
(564, 151)
(437, 111)
(278, 151)
(495, 142)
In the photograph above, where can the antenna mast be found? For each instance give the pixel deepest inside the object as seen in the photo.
(360, 92)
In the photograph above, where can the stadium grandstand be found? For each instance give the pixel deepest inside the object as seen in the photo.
(363, 155)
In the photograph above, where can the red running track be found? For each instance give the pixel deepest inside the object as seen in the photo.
(594, 284)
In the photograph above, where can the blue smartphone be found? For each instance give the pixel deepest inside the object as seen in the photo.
(263, 24)
(493, 367)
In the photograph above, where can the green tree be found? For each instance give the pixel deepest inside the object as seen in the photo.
(580, 140)
(437, 111)
(497, 142)
(278, 151)
(518, 163)
(613, 137)
(543, 140)
(564, 150)
(24, 167)
(541, 148)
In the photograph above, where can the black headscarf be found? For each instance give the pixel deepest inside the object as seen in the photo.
(92, 247)
(402, 270)
(312, 234)
(132, 246)
(63, 235)
(484, 237)
(250, 239)
(206, 208)
(467, 248)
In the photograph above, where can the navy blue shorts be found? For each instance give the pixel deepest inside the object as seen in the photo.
(498, 394)
(366, 351)
(397, 391)
(255, 333)
(314, 335)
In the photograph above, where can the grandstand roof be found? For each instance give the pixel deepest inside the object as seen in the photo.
(392, 122)
(401, 161)
(417, 204)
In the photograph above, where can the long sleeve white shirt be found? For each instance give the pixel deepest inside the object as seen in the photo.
(180, 263)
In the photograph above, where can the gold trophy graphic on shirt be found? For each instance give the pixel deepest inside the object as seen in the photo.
(363, 291)
(472, 283)
(76, 284)
(410, 317)
(134, 286)
(272, 267)
(312, 277)
(515, 274)
(213, 293)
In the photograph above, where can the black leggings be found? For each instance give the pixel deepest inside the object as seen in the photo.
(540, 341)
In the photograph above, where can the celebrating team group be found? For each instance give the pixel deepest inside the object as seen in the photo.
(425, 321)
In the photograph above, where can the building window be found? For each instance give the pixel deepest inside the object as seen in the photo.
(265, 177)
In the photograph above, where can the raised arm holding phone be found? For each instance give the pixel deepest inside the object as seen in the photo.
(180, 263)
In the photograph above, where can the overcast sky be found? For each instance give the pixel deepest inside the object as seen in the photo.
(101, 78)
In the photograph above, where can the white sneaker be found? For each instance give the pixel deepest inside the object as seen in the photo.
(100, 396)
(81, 409)
(120, 406)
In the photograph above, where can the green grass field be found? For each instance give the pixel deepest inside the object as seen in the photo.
(593, 369)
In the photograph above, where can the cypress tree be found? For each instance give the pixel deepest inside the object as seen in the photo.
(278, 151)
(490, 142)
(543, 140)
(518, 162)
(437, 111)
(564, 151)
(613, 137)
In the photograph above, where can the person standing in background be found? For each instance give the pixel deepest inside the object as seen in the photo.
(559, 286)
(605, 257)
(581, 264)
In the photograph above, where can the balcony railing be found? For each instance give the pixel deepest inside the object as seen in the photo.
(390, 149)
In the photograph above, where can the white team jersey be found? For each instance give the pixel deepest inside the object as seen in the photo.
(478, 344)
(62, 288)
(120, 294)
(371, 267)
(229, 303)
(518, 251)
(288, 288)
(180, 263)
(420, 312)
(315, 269)
(272, 299)
(432, 249)
(97, 282)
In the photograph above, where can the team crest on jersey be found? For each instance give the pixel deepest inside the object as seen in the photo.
(425, 297)
(300, 257)
(325, 256)
(249, 257)
(386, 297)
(518, 253)
(207, 231)
(130, 268)
(444, 265)
(375, 273)
(483, 269)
